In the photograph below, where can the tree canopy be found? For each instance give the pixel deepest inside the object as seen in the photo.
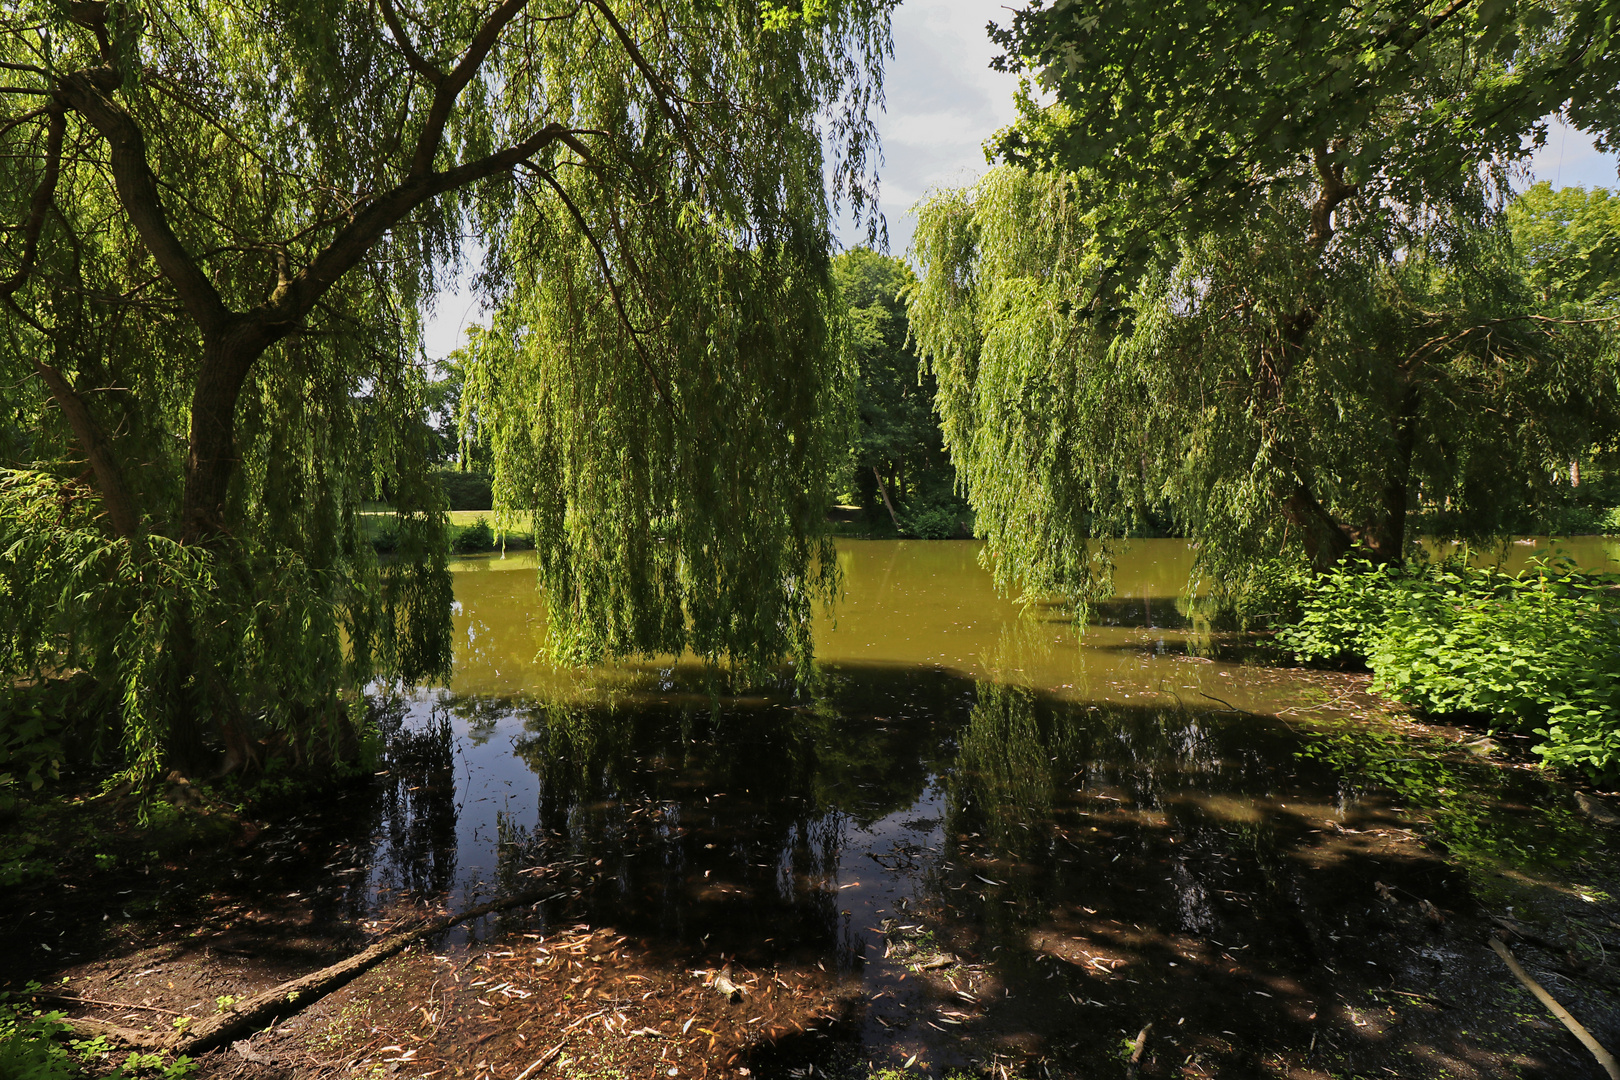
(1191, 115)
(1250, 275)
(222, 226)
(900, 465)
(1569, 239)
(1432, 379)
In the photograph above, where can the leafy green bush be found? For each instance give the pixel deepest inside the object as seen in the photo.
(30, 747)
(934, 523)
(475, 537)
(1539, 651)
(31, 1048)
(1251, 594)
(466, 490)
(385, 540)
(1341, 613)
(28, 1046)
(935, 512)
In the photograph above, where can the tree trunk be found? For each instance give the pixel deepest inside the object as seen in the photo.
(1386, 541)
(122, 513)
(212, 460)
(884, 491)
(1326, 541)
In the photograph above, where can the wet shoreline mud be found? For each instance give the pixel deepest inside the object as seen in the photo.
(1145, 862)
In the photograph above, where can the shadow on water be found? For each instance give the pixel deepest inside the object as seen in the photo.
(992, 872)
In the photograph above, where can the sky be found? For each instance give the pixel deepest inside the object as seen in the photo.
(944, 101)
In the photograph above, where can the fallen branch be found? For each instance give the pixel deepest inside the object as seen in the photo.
(73, 999)
(140, 1040)
(544, 1060)
(295, 995)
(1136, 1051)
(1604, 1058)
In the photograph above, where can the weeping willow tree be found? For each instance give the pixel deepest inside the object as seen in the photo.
(1427, 376)
(221, 226)
(1257, 284)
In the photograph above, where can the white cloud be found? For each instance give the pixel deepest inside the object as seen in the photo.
(944, 101)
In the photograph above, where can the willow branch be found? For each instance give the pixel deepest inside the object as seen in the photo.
(41, 203)
(115, 495)
(659, 88)
(613, 286)
(299, 295)
(637, 58)
(415, 59)
(138, 192)
(448, 88)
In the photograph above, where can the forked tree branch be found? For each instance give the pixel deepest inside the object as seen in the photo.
(449, 88)
(299, 295)
(417, 62)
(86, 92)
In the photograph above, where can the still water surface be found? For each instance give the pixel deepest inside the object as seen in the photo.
(1101, 829)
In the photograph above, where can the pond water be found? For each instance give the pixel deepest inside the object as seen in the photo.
(1088, 832)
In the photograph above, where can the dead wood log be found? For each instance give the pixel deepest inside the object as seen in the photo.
(294, 995)
(1136, 1051)
(1596, 809)
(139, 1040)
(1604, 1058)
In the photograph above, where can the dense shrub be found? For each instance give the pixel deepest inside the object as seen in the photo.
(1538, 651)
(934, 523)
(934, 511)
(475, 537)
(190, 655)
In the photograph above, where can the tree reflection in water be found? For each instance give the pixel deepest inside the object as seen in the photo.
(416, 851)
(1084, 868)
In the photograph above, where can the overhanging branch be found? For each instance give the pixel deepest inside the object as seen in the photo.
(613, 286)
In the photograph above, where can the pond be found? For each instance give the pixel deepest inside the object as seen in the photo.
(999, 837)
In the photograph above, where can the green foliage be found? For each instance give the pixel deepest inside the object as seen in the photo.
(1194, 116)
(221, 229)
(30, 748)
(897, 441)
(467, 491)
(1569, 239)
(1257, 594)
(475, 537)
(31, 1048)
(939, 517)
(285, 642)
(1538, 651)
(28, 1047)
(1256, 395)
(1341, 613)
(678, 504)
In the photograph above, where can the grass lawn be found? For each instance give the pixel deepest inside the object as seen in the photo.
(458, 518)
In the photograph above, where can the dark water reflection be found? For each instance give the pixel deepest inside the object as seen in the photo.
(1091, 866)
(1090, 832)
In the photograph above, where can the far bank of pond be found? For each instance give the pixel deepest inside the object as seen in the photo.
(986, 845)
